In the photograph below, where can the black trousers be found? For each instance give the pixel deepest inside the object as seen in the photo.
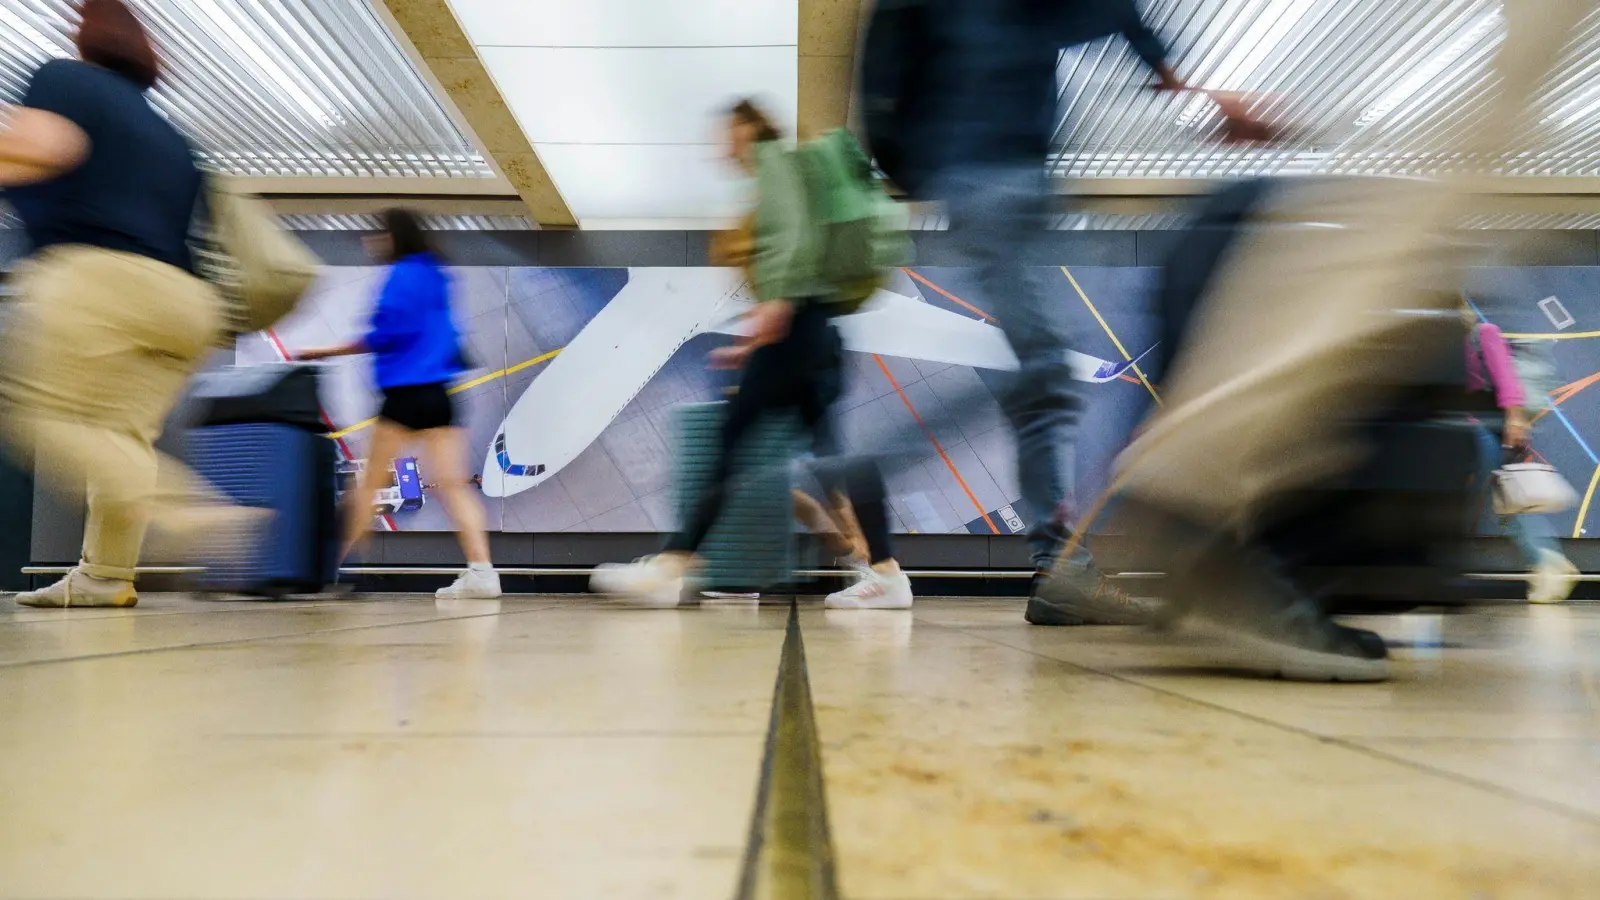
(803, 373)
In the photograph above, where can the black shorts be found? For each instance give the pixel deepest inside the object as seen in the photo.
(419, 407)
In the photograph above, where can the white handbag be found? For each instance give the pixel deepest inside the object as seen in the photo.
(1531, 488)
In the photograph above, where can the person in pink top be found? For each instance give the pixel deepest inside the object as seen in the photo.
(1492, 369)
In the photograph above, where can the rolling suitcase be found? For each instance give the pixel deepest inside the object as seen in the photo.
(752, 545)
(261, 440)
(289, 471)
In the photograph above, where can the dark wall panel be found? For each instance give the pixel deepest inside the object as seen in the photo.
(606, 249)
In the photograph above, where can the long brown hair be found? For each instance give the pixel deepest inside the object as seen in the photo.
(112, 37)
(746, 112)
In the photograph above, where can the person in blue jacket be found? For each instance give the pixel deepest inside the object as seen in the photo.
(417, 353)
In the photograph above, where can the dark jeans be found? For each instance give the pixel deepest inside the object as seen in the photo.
(803, 373)
(997, 213)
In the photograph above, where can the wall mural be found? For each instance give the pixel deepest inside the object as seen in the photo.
(570, 410)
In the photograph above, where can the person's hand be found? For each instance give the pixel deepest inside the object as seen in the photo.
(1240, 124)
(311, 355)
(732, 356)
(1168, 80)
(769, 322)
(1517, 429)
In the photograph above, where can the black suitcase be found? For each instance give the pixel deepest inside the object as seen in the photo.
(259, 436)
(1394, 533)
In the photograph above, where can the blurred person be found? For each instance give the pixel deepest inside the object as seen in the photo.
(791, 358)
(834, 523)
(1338, 323)
(112, 319)
(986, 123)
(1492, 373)
(417, 352)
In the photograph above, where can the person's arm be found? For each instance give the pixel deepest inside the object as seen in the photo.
(354, 348)
(1502, 367)
(1145, 42)
(394, 326)
(783, 239)
(782, 255)
(36, 145)
(1508, 391)
(1241, 124)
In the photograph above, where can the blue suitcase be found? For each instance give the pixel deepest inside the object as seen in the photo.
(752, 544)
(290, 471)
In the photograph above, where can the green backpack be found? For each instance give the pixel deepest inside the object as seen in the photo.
(864, 232)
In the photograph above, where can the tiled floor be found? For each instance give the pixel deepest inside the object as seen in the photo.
(521, 749)
(566, 748)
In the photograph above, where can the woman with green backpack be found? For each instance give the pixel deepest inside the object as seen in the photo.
(790, 358)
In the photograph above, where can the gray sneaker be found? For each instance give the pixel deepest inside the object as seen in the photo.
(1076, 594)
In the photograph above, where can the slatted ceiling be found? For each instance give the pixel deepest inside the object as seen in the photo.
(1534, 222)
(274, 88)
(429, 223)
(1368, 87)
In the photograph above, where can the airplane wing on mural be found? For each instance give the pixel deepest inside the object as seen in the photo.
(597, 375)
(896, 325)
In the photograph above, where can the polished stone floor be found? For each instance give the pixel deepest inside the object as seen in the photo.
(566, 748)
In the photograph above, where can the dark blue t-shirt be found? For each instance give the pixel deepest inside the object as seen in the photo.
(137, 190)
(995, 78)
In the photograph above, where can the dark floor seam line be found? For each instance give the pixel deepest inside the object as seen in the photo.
(201, 645)
(789, 852)
(1580, 815)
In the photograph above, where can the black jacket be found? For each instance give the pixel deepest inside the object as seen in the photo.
(994, 70)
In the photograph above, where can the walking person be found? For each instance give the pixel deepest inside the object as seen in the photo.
(973, 132)
(1352, 316)
(1504, 432)
(417, 352)
(111, 320)
(791, 359)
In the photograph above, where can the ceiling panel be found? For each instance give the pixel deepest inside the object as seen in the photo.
(622, 98)
(1366, 86)
(279, 88)
(622, 185)
(639, 96)
(630, 23)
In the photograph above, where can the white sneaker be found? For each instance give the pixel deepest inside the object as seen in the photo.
(873, 590)
(473, 584)
(1553, 579)
(647, 580)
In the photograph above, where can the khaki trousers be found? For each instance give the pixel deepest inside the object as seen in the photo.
(95, 356)
(1300, 333)
(1305, 329)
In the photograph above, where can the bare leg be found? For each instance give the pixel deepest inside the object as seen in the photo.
(844, 517)
(387, 439)
(814, 517)
(445, 449)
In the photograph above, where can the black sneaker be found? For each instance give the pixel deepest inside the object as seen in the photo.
(1250, 614)
(1076, 594)
(1257, 619)
(1297, 643)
